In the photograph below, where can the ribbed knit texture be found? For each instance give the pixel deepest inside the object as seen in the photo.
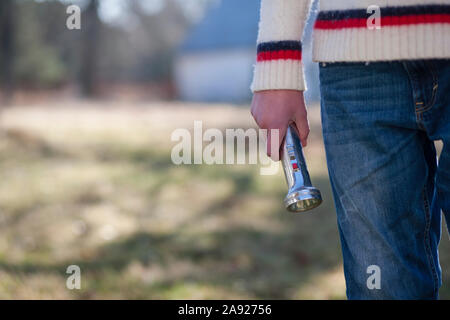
(410, 29)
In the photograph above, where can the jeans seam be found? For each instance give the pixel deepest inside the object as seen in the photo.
(427, 242)
(414, 82)
(432, 102)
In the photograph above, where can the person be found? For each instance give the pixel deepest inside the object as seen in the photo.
(385, 99)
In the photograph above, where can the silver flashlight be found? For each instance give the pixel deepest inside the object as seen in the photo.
(302, 196)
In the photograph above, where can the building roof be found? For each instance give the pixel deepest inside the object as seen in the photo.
(227, 24)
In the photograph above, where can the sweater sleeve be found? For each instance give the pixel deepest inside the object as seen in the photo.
(279, 48)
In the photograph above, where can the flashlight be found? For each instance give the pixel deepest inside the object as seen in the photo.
(302, 196)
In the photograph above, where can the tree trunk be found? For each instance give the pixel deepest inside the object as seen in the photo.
(7, 30)
(90, 27)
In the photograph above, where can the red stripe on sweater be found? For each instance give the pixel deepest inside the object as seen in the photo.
(279, 55)
(385, 21)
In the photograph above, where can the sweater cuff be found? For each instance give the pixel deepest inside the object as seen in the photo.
(279, 67)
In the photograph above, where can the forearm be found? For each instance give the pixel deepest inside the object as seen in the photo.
(279, 64)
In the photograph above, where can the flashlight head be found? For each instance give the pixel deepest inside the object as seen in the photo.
(302, 199)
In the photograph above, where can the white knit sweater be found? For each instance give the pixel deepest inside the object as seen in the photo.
(343, 31)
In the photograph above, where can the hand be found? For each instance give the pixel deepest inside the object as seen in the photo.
(276, 109)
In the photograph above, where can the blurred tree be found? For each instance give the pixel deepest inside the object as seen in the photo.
(91, 35)
(7, 32)
(135, 46)
(38, 62)
(163, 31)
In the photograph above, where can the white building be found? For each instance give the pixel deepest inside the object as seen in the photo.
(215, 62)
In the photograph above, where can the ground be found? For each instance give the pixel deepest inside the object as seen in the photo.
(93, 185)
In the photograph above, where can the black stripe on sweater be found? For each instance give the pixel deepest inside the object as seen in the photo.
(279, 45)
(385, 12)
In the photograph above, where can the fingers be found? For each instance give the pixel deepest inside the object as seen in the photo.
(274, 137)
(301, 122)
(274, 140)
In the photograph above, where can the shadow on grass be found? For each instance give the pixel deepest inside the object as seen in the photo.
(241, 259)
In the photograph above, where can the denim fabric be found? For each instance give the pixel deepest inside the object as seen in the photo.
(379, 123)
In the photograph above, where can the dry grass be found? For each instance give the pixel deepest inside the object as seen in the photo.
(93, 185)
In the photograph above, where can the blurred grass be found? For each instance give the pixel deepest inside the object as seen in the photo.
(94, 186)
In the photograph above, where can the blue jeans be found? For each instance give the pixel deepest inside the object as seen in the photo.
(379, 123)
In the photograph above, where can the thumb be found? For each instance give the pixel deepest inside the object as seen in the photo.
(302, 126)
